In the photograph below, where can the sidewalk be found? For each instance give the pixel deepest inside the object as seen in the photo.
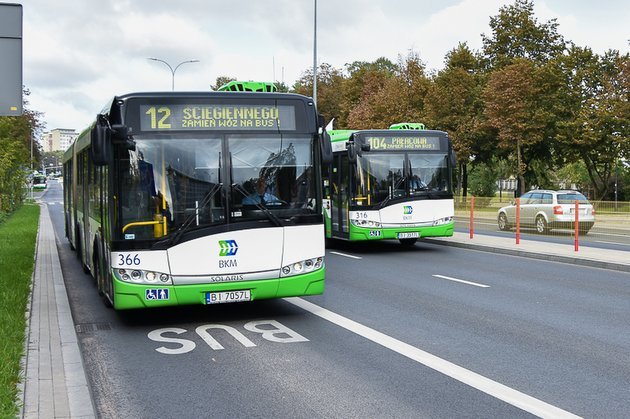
(55, 384)
(557, 252)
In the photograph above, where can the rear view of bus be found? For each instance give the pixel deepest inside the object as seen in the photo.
(390, 184)
(199, 198)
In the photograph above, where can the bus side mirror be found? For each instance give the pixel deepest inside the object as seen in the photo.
(352, 152)
(365, 146)
(101, 144)
(453, 158)
(326, 148)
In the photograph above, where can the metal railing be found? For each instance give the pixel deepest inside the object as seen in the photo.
(479, 215)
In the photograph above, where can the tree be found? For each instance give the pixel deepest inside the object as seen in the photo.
(454, 103)
(516, 33)
(512, 99)
(329, 89)
(388, 98)
(16, 134)
(595, 113)
(221, 80)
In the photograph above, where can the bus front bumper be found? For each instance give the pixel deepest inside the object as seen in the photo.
(131, 296)
(362, 234)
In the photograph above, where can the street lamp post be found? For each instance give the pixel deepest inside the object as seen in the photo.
(315, 52)
(173, 70)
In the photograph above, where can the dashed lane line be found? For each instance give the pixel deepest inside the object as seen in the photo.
(345, 255)
(461, 281)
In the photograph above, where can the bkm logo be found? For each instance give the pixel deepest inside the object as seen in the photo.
(228, 247)
(407, 209)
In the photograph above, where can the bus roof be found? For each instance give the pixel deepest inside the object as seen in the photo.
(248, 86)
(408, 125)
(344, 134)
(201, 95)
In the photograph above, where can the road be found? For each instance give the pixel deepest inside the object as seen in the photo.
(430, 331)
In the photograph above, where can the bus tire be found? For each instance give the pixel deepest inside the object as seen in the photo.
(96, 267)
(67, 230)
(77, 241)
(107, 299)
(79, 247)
(408, 242)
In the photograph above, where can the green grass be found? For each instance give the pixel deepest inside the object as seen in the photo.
(18, 234)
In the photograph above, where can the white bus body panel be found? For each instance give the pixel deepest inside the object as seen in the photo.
(416, 213)
(234, 256)
(408, 214)
(251, 251)
(303, 242)
(148, 260)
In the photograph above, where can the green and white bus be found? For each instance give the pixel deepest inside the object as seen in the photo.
(389, 184)
(199, 198)
(39, 182)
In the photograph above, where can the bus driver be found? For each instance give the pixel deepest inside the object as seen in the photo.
(261, 196)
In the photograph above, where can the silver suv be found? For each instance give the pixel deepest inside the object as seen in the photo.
(545, 210)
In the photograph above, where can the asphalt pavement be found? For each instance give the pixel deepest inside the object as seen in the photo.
(55, 383)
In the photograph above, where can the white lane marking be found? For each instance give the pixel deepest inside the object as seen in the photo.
(345, 255)
(462, 281)
(486, 385)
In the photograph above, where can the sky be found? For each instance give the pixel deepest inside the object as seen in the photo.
(78, 54)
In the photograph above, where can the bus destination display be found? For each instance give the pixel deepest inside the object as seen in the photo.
(216, 117)
(404, 143)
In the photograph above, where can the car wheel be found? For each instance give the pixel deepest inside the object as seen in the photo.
(541, 224)
(503, 222)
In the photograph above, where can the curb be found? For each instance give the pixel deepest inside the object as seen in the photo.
(593, 263)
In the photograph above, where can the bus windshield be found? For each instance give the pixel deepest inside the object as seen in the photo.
(200, 181)
(381, 177)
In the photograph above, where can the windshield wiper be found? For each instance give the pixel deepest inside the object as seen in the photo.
(391, 194)
(260, 206)
(176, 236)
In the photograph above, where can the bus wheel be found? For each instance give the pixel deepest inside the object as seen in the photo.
(408, 242)
(105, 294)
(68, 236)
(97, 275)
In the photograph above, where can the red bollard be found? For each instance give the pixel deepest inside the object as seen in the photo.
(577, 224)
(472, 216)
(518, 220)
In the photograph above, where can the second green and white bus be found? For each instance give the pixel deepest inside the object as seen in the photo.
(167, 198)
(389, 184)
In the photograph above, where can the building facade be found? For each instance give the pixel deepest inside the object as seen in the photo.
(59, 139)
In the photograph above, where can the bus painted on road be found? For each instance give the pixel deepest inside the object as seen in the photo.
(199, 198)
(389, 184)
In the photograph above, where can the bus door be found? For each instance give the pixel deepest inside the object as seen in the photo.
(339, 196)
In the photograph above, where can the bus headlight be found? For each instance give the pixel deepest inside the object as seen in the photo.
(366, 223)
(303, 266)
(139, 276)
(441, 221)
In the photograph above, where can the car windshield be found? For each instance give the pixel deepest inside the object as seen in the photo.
(571, 197)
